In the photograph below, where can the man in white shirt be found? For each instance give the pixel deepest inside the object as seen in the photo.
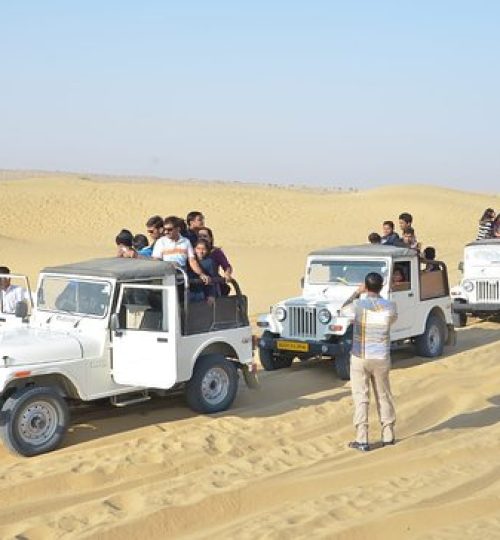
(176, 248)
(10, 295)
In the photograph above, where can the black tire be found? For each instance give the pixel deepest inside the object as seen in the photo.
(214, 384)
(271, 360)
(342, 361)
(34, 421)
(459, 319)
(343, 366)
(431, 343)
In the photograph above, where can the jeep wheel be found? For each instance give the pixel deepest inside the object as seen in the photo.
(214, 384)
(342, 360)
(343, 365)
(34, 421)
(431, 343)
(459, 319)
(271, 360)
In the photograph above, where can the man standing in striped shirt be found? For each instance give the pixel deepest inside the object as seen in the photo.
(371, 359)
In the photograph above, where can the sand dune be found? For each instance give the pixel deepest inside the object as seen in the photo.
(276, 465)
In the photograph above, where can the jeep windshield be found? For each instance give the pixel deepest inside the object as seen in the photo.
(323, 272)
(482, 255)
(74, 296)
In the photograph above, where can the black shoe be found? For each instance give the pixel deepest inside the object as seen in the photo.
(362, 447)
(389, 443)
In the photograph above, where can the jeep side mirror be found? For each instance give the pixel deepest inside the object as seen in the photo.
(461, 266)
(301, 282)
(114, 322)
(21, 309)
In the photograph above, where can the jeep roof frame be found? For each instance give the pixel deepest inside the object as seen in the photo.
(367, 250)
(121, 269)
(485, 242)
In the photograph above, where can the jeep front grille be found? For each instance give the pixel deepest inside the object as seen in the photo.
(488, 291)
(303, 322)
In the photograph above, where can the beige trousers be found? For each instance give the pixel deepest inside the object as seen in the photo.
(377, 372)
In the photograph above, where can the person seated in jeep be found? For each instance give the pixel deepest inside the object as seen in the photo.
(125, 244)
(429, 254)
(199, 292)
(177, 249)
(398, 276)
(389, 237)
(10, 294)
(410, 239)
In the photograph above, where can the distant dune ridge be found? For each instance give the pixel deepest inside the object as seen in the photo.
(276, 465)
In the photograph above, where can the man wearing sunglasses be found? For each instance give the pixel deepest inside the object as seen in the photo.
(154, 226)
(176, 248)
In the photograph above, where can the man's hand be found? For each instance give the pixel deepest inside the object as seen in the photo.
(206, 279)
(361, 289)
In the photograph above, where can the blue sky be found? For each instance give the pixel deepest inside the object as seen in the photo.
(358, 93)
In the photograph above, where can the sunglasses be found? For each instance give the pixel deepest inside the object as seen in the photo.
(168, 229)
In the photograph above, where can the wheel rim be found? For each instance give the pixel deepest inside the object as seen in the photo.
(215, 385)
(434, 339)
(37, 423)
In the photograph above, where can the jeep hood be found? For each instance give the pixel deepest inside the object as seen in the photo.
(37, 345)
(335, 297)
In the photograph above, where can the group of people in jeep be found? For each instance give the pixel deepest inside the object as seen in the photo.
(390, 237)
(408, 238)
(489, 225)
(188, 243)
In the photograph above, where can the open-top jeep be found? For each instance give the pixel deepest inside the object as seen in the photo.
(311, 325)
(478, 293)
(120, 329)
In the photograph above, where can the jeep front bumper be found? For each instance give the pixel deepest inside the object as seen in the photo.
(466, 307)
(301, 348)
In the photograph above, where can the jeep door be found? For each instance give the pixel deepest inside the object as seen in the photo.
(143, 341)
(404, 293)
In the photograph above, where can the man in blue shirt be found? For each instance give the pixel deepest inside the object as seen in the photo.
(370, 359)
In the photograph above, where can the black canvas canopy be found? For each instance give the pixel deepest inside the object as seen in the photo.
(117, 268)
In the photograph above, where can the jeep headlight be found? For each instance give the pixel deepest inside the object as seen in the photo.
(324, 316)
(280, 314)
(468, 285)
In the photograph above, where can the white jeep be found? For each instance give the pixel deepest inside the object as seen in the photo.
(311, 325)
(478, 293)
(121, 329)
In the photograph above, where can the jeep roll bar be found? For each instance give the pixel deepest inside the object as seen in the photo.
(185, 281)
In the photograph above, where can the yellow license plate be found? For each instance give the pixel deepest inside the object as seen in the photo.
(292, 346)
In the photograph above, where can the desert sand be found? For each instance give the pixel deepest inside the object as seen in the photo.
(275, 465)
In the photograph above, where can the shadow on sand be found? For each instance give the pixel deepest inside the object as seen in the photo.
(280, 392)
(477, 419)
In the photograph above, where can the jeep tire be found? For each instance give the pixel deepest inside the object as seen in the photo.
(34, 421)
(272, 360)
(459, 319)
(342, 363)
(431, 343)
(214, 384)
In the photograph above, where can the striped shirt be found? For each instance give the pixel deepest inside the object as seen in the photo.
(485, 230)
(176, 251)
(373, 317)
